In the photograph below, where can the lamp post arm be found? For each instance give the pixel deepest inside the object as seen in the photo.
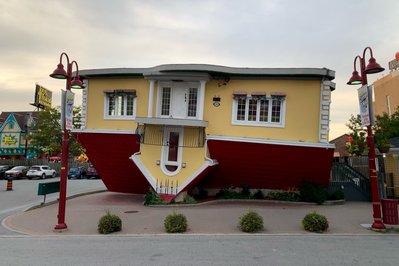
(77, 68)
(67, 57)
(365, 49)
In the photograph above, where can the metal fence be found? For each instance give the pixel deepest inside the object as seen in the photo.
(361, 164)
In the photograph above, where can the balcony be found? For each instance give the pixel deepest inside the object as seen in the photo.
(154, 134)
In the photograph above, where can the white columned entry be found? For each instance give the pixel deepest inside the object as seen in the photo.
(201, 100)
(151, 98)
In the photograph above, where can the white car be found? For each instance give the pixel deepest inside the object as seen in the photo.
(41, 171)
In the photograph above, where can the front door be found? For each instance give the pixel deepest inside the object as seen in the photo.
(179, 102)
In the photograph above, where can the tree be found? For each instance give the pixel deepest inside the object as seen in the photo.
(356, 144)
(47, 137)
(386, 127)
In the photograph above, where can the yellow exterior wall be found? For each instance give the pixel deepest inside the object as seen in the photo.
(387, 86)
(301, 116)
(193, 157)
(302, 112)
(95, 102)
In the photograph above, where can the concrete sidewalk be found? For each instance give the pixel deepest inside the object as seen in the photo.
(217, 217)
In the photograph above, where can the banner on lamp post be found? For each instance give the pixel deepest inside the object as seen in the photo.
(67, 100)
(366, 105)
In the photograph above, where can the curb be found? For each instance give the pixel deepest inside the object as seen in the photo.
(69, 197)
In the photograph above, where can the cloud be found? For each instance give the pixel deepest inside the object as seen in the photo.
(248, 33)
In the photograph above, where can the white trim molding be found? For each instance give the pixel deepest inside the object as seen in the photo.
(84, 104)
(273, 142)
(104, 131)
(325, 102)
(150, 178)
(151, 98)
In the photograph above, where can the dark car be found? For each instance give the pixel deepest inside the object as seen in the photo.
(16, 172)
(3, 169)
(76, 173)
(91, 172)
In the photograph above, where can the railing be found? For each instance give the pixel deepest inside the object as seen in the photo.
(343, 174)
(194, 137)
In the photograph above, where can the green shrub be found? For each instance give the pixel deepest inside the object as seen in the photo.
(232, 194)
(313, 193)
(175, 223)
(315, 222)
(152, 198)
(109, 223)
(202, 194)
(337, 195)
(283, 195)
(251, 222)
(245, 192)
(189, 200)
(259, 194)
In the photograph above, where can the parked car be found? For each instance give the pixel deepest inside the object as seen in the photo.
(76, 173)
(41, 171)
(16, 172)
(3, 169)
(91, 172)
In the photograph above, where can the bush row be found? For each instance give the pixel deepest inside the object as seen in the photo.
(251, 222)
(307, 193)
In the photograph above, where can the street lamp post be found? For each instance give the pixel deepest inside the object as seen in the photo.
(76, 83)
(356, 79)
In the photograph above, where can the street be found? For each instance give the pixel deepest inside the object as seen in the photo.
(24, 195)
(180, 249)
(273, 250)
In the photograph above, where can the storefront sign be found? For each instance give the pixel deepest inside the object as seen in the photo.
(43, 97)
(9, 140)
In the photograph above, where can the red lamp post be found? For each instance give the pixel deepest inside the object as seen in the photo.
(76, 83)
(356, 79)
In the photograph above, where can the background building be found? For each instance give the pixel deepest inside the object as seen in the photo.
(386, 100)
(14, 129)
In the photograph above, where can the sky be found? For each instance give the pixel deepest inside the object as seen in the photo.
(237, 33)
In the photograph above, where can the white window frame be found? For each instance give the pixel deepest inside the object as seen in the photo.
(165, 151)
(246, 122)
(119, 117)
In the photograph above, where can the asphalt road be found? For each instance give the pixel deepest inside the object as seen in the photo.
(201, 250)
(24, 195)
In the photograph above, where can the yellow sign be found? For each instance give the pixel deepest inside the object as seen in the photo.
(9, 140)
(43, 97)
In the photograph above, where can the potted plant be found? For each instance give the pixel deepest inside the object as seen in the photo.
(382, 143)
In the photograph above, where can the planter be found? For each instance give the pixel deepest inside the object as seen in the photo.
(384, 149)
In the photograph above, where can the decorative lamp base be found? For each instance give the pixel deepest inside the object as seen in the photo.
(378, 227)
(61, 227)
